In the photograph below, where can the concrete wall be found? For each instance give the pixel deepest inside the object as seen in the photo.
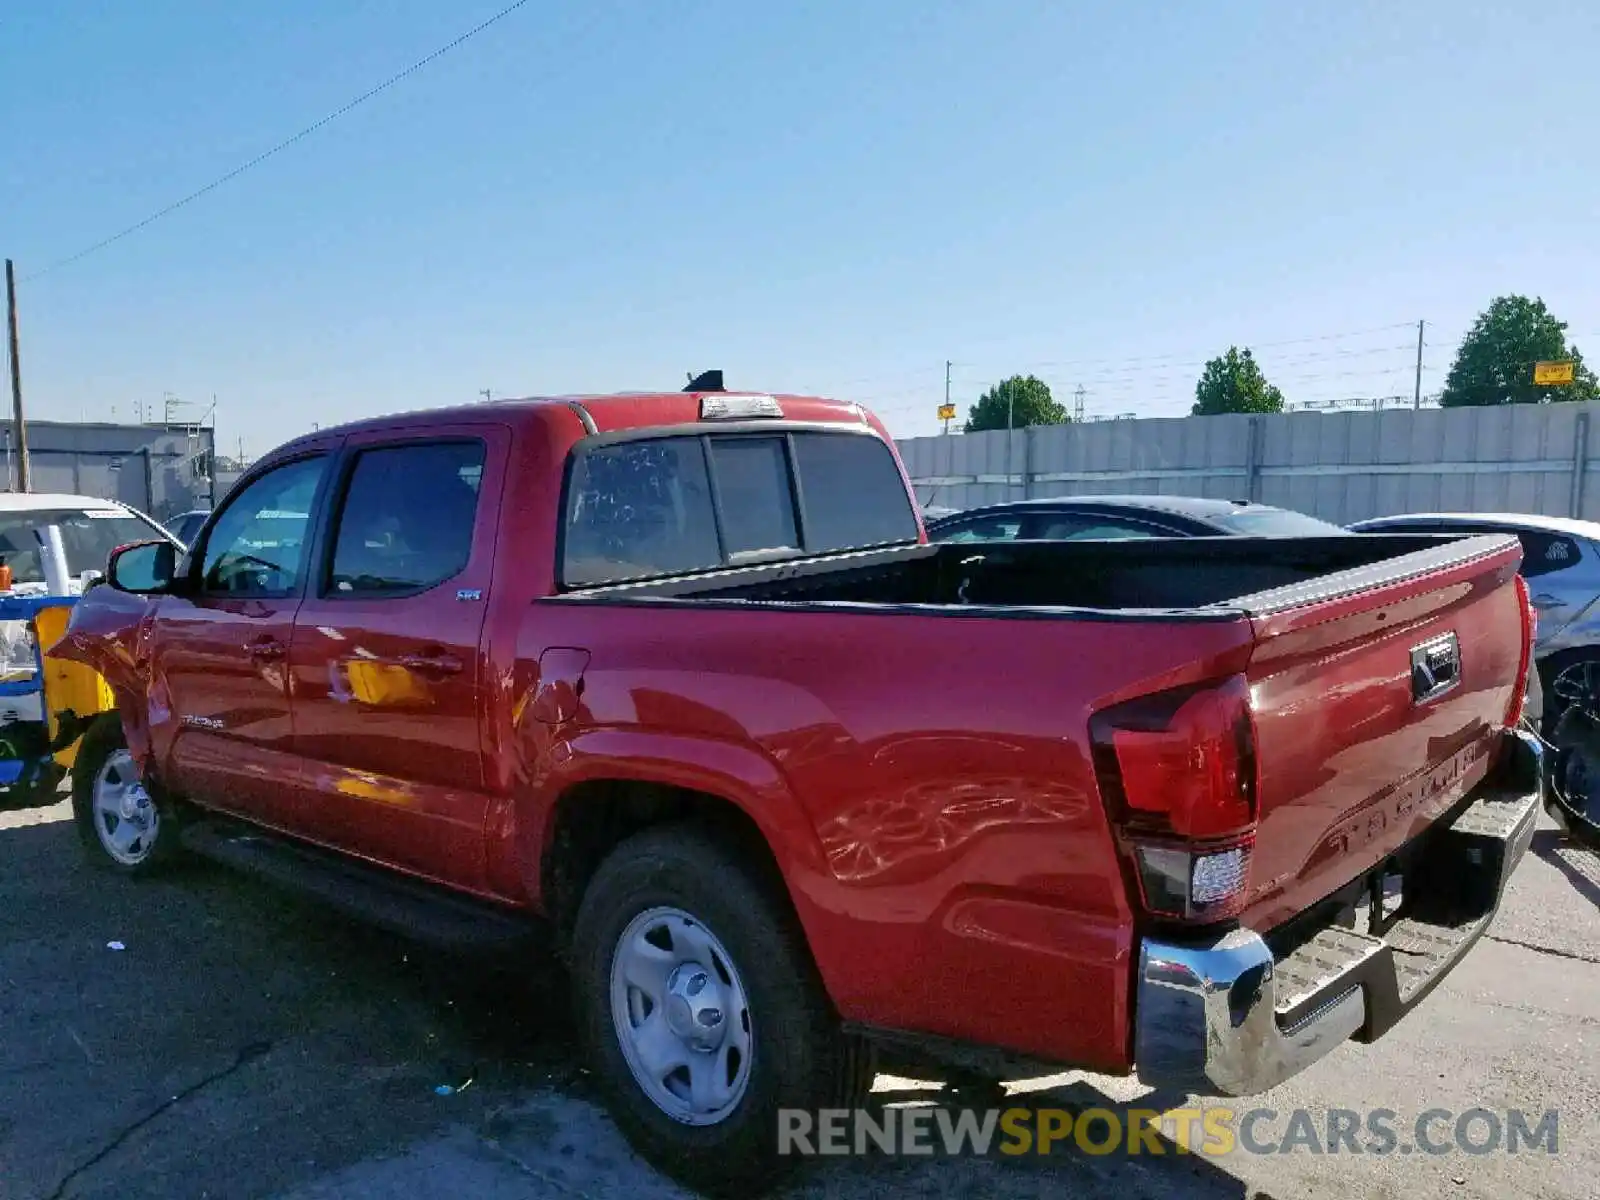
(1341, 466)
(158, 471)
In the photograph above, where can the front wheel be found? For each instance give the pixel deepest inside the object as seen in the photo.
(118, 823)
(701, 1011)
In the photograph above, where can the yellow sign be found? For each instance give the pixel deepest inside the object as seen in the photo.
(947, 412)
(1553, 372)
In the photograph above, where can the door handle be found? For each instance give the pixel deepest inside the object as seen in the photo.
(1544, 600)
(431, 664)
(266, 649)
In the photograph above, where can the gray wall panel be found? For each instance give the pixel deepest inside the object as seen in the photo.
(1339, 466)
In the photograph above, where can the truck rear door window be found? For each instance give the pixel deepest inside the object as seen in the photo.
(407, 518)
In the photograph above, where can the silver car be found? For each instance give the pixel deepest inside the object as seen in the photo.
(1560, 561)
(1561, 564)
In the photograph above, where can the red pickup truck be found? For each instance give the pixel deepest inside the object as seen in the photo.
(680, 676)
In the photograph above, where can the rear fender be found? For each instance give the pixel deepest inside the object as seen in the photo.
(738, 774)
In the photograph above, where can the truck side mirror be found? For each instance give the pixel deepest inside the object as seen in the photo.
(144, 568)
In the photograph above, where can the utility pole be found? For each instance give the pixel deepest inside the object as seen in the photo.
(16, 379)
(1416, 396)
(947, 365)
(1011, 436)
(1077, 405)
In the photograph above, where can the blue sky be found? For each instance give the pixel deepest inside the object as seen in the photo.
(823, 196)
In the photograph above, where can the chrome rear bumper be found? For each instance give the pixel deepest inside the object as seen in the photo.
(1221, 1015)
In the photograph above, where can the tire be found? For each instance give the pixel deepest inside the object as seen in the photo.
(711, 924)
(1560, 669)
(1571, 711)
(102, 774)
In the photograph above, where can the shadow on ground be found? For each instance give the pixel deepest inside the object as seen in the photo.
(244, 1043)
(1579, 863)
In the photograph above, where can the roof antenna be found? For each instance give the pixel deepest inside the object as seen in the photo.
(706, 381)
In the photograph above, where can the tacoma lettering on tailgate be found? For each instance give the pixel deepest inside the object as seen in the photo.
(1426, 795)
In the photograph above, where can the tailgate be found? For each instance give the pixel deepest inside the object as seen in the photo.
(1378, 695)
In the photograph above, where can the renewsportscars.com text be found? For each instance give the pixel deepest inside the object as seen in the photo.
(1205, 1131)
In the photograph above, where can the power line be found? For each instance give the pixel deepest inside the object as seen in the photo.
(1244, 344)
(283, 145)
(1271, 368)
(1136, 383)
(1159, 377)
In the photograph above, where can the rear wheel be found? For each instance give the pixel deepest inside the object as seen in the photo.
(118, 822)
(702, 1013)
(1572, 727)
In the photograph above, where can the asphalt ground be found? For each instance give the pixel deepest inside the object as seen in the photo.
(246, 1043)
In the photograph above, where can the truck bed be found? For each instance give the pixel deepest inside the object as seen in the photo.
(1351, 767)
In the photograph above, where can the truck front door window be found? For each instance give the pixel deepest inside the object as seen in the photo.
(406, 524)
(257, 546)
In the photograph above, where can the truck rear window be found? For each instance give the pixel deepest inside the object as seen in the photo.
(753, 487)
(668, 505)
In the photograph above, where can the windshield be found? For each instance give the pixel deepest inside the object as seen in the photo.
(1276, 522)
(88, 536)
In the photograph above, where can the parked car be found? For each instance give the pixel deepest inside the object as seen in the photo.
(186, 525)
(53, 543)
(52, 546)
(681, 676)
(1561, 562)
(1071, 518)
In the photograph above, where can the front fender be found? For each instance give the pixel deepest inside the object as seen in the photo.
(106, 634)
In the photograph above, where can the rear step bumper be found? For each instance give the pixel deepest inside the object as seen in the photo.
(1224, 1016)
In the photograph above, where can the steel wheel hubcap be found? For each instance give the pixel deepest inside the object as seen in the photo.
(124, 816)
(682, 1016)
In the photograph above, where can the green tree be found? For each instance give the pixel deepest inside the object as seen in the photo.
(1234, 384)
(1015, 402)
(1495, 362)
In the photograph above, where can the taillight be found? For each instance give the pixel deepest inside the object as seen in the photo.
(1530, 629)
(1177, 771)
